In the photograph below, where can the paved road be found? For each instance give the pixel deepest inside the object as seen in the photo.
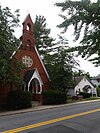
(79, 118)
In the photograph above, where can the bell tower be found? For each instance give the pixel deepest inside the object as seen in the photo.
(28, 24)
(27, 38)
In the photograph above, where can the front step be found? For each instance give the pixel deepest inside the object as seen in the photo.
(35, 103)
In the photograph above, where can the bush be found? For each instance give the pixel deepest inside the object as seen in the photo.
(85, 94)
(69, 97)
(75, 97)
(19, 99)
(51, 97)
(98, 91)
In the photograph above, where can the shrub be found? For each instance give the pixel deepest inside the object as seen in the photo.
(98, 91)
(52, 97)
(75, 97)
(19, 99)
(85, 94)
(69, 97)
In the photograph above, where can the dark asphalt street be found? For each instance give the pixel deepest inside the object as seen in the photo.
(88, 123)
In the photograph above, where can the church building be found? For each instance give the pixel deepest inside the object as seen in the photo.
(35, 76)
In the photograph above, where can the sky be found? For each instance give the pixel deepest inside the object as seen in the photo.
(50, 12)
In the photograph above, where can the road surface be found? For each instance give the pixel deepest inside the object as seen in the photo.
(79, 118)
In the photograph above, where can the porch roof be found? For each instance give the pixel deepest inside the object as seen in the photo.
(28, 75)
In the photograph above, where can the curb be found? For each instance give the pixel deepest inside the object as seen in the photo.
(43, 107)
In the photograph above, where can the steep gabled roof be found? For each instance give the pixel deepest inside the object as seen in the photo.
(11, 56)
(42, 63)
(97, 77)
(79, 78)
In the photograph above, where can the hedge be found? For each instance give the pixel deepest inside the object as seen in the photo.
(19, 99)
(85, 94)
(51, 97)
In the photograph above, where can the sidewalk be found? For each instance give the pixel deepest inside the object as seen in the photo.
(42, 107)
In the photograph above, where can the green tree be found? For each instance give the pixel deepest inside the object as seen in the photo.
(81, 73)
(60, 66)
(85, 17)
(58, 61)
(8, 44)
(42, 35)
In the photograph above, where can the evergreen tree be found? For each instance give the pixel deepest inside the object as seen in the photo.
(44, 42)
(85, 17)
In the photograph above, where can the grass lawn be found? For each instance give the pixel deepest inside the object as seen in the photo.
(91, 98)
